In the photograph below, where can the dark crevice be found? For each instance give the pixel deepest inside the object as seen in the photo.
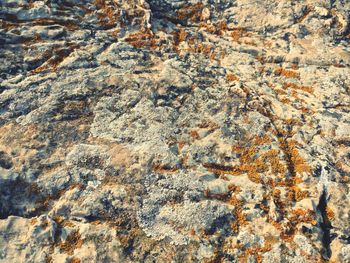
(345, 239)
(325, 226)
(5, 160)
(18, 198)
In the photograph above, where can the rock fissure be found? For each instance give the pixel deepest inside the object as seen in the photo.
(325, 225)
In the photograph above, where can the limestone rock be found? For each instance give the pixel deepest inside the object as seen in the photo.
(174, 131)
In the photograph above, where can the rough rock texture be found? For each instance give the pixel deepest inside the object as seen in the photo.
(174, 131)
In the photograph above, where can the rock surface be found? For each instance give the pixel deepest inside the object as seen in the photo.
(174, 131)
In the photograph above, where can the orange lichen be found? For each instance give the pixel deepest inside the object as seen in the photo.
(181, 144)
(240, 218)
(217, 29)
(74, 260)
(306, 110)
(307, 11)
(251, 162)
(330, 213)
(222, 25)
(277, 166)
(238, 33)
(285, 100)
(194, 135)
(162, 168)
(57, 56)
(191, 41)
(72, 242)
(67, 223)
(288, 235)
(262, 59)
(195, 45)
(96, 222)
(295, 194)
(257, 164)
(297, 87)
(46, 21)
(184, 160)
(191, 13)
(261, 140)
(108, 15)
(234, 188)
(143, 39)
(255, 251)
(99, 3)
(192, 232)
(208, 124)
(213, 56)
(208, 27)
(254, 177)
(231, 77)
(59, 220)
(32, 40)
(115, 33)
(295, 66)
(34, 189)
(234, 201)
(71, 26)
(306, 216)
(296, 163)
(222, 169)
(247, 155)
(44, 201)
(296, 217)
(250, 42)
(33, 221)
(179, 36)
(202, 48)
(293, 122)
(300, 165)
(222, 197)
(268, 44)
(41, 68)
(287, 73)
(236, 147)
(277, 225)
